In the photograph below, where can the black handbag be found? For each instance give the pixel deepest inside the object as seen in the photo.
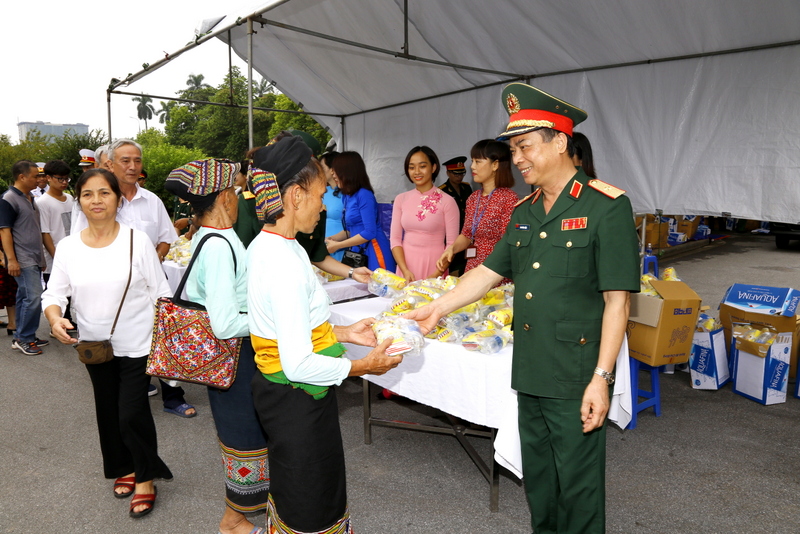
(351, 258)
(355, 259)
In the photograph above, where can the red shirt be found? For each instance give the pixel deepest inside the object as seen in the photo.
(486, 220)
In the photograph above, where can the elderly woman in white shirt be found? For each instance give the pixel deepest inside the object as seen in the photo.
(218, 281)
(298, 352)
(92, 267)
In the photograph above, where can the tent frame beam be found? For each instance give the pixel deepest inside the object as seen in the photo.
(385, 51)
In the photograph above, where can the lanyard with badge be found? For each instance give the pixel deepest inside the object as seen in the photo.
(472, 250)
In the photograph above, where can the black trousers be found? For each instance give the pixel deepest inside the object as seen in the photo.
(127, 431)
(306, 455)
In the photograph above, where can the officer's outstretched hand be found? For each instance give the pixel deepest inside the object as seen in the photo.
(594, 407)
(426, 317)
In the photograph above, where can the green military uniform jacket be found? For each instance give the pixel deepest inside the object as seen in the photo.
(247, 227)
(560, 263)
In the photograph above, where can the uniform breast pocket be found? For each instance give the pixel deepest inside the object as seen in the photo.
(571, 254)
(519, 242)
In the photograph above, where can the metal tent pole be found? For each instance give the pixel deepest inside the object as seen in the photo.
(250, 32)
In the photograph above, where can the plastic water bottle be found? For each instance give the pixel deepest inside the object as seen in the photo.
(649, 250)
(458, 321)
(381, 290)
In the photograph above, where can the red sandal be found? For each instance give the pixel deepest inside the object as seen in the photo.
(128, 483)
(143, 498)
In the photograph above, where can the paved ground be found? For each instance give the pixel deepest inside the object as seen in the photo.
(713, 462)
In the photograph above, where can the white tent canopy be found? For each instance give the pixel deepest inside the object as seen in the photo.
(693, 105)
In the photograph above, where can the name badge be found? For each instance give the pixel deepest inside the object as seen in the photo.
(471, 252)
(579, 223)
(524, 227)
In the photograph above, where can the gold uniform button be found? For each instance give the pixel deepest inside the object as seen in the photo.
(536, 265)
(569, 244)
(582, 341)
(529, 295)
(543, 235)
(517, 243)
(526, 326)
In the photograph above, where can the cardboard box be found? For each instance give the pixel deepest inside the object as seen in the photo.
(773, 306)
(660, 330)
(657, 234)
(688, 224)
(708, 362)
(761, 372)
(703, 232)
(676, 238)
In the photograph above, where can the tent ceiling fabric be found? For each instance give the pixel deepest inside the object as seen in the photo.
(703, 135)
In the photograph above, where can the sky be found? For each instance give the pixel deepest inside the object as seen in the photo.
(59, 57)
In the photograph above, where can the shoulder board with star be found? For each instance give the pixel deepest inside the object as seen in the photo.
(248, 195)
(607, 189)
(535, 196)
(443, 186)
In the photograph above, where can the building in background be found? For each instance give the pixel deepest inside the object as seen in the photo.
(47, 128)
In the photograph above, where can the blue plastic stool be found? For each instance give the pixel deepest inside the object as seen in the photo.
(648, 261)
(652, 397)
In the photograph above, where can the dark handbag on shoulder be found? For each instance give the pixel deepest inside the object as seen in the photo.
(351, 258)
(184, 345)
(94, 352)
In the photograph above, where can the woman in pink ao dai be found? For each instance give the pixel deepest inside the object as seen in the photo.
(424, 220)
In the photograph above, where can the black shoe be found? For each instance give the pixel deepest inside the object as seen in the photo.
(10, 331)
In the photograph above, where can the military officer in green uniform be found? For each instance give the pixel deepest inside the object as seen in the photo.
(572, 251)
(460, 191)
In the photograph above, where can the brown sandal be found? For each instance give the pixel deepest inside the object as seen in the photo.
(128, 483)
(143, 498)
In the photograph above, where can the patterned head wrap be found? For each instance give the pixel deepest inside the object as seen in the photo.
(273, 166)
(201, 178)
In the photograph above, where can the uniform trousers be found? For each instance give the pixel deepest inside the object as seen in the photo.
(563, 468)
(306, 457)
(242, 440)
(127, 431)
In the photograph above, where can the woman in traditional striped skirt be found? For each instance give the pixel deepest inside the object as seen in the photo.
(298, 352)
(218, 281)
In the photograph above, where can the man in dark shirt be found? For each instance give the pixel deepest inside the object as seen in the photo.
(21, 235)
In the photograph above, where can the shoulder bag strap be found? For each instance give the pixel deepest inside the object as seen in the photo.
(179, 290)
(130, 272)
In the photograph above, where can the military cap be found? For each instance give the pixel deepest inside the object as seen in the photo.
(87, 157)
(530, 108)
(456, 165)
(309, 140)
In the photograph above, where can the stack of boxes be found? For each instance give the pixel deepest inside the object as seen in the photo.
(760, 371)
(660, 329)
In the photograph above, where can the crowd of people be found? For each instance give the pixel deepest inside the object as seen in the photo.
(257, 227)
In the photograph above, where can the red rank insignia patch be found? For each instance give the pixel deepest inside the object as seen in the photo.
(579, 223)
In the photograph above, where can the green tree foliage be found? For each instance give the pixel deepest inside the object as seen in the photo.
(160, 158)
(144, 108)
(163, 113)
(37, 147)
(67, 147)
(296, 121)
(217, 130)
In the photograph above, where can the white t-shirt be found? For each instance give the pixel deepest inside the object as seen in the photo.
(95, 278)
(55, 217)
(145, 212)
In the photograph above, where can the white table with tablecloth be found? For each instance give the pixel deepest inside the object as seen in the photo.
(469, 385)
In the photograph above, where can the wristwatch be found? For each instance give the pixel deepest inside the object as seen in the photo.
(350, 274)
(605, 375)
